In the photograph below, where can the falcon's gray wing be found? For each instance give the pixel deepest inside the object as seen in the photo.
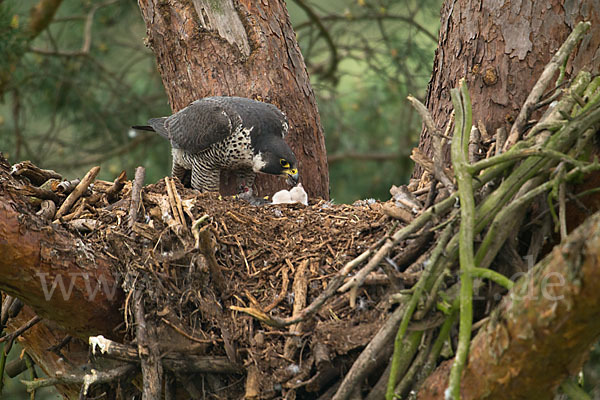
(158, 124)
(198, 126)
(264, 118)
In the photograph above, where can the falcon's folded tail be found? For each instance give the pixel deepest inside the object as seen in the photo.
(155, 125)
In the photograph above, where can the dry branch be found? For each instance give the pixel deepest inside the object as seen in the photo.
(40, 193)
(35, 174)
(176, 362)
(86, 380)
(136, 195)
(116, 187)
(77, 192)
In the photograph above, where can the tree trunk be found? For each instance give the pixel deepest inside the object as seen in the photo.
(240, 48)
(501, 48)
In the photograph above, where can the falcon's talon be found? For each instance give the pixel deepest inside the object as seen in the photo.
(227, 133)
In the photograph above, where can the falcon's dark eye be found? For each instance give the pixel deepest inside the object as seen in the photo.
(284, 163)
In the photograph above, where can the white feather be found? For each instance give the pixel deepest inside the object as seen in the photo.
(258, 162)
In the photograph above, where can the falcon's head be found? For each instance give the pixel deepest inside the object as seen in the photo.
(277, 159)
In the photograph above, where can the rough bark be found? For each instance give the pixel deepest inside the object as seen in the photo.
(501, 48)
(541, 332)
(240, 48)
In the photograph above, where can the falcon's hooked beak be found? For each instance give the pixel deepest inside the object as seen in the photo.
(292, 176)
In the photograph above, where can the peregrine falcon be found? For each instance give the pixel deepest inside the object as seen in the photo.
(227, 133)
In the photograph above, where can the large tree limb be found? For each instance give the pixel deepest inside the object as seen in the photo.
(41, 266)
(541, 332)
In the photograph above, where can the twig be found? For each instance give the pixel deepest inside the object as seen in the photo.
(136, 195)
(11, 307)
(432, 296)
(35, 174)
(460, 151)
(15, 367)
(13, 335)
(562, 212)
(436, 138)
(175, 202)
(474, 145)
(204, 243)
(40, 193)
(419, 157)
(538, 89)
(300, 287)
(67, 187)
(550, 99)
(282, 293)
(32, 374)
(253, 379)
(184, 333)
(77, 192)
(117, 186)
(173, 361)
(418, 290)
(436, 348)
(87, 380)
(417, 364)
(152, 370)
(501, 136)
(492, 275)
(3, 357)
(401, 362)
(87, 35)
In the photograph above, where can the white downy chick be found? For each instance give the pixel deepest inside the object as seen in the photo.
(282, 197)
(298, 195)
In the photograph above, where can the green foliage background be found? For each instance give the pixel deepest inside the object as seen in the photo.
(68, 111)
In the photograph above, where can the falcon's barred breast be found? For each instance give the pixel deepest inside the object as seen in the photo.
(227, 133)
